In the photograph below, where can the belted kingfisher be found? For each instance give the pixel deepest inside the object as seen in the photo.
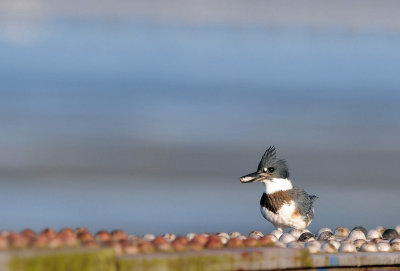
(281, 204)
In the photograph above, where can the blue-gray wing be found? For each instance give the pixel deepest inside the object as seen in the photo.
(304, 202)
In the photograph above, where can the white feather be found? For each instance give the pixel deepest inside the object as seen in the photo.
(284, 217)
(275, 185)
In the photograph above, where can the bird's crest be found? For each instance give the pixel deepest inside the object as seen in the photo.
(268, 158)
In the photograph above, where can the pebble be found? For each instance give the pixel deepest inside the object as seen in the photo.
(342, 232)
(368, 247)
(347, 248)
(390, 234)
(357, 234)
(372, 234)
(287, 238)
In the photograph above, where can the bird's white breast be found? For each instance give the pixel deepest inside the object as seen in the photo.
(286, 216)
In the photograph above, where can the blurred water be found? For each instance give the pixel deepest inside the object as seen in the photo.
(147, 126)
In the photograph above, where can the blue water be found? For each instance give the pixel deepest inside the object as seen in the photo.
(147, 126)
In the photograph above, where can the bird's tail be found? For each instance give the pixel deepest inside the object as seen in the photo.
(313, 198)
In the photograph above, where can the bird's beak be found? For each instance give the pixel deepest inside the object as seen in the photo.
(252, 177)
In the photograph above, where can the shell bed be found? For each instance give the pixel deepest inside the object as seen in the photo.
(325, 240)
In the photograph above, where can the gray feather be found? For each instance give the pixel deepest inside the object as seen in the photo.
(304, 202)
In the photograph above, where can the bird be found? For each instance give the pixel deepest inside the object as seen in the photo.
(281, 204)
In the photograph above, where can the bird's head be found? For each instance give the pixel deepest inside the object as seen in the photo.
(268, 169)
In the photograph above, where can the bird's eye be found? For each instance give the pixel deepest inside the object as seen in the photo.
(271, 169)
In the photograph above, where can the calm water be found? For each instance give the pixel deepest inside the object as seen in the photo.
(147, 127)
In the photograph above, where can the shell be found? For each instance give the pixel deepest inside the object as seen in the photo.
(169, 236)
(335, 243)
(223, 234)
(395, 246)
(385, 247)
(372, 234)
(234, 234)
(357, 234)
(190, 235)
(280, 244)
(381, 229)
(342, 232)
(390, 234)
(295, 233)
(287, 238)
(294, 244)
(360, 228)
(277, 233)
(395, 240)
(368, 247)
(328, 248)
(398, 229)
(313, 246)
(149, 237)
(359, 242)
(325, 235)
(347, 248)
(322, 230)
(306, 236)
(256, 234)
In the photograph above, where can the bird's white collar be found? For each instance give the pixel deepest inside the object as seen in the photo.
(275, 185)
